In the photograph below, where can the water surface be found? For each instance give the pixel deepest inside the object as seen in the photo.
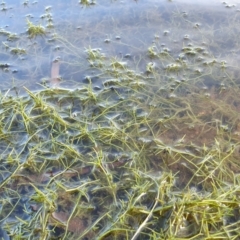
(120, 121)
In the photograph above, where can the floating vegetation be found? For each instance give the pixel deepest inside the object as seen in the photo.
(138, 147)
(35, 30)
(18, 51)
(87, 2)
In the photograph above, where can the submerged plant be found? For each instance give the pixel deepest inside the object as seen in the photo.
(137, 150)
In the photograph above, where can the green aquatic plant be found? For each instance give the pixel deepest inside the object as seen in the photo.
(87, 2)
(145, 147)
(17, 51)
(120, 152)
(35, 30)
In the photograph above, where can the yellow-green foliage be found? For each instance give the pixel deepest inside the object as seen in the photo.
(146, 146)
(35, 30)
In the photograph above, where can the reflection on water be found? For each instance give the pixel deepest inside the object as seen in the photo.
(121, 29)
(127, 122)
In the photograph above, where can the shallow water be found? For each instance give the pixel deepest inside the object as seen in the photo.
(123, 29)
(131, 125)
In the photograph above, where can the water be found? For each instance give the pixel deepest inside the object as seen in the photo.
(120, 121)
(119, 28)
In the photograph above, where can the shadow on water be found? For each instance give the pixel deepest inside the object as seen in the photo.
(119, 120)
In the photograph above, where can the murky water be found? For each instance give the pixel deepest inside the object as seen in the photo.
(131, 128)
